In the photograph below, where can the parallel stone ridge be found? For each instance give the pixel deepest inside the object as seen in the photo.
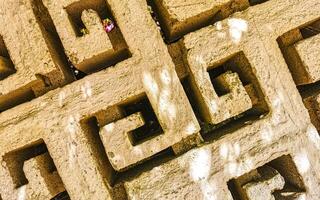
(173, 100)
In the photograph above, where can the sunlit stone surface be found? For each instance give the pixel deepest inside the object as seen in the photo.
(214, 100)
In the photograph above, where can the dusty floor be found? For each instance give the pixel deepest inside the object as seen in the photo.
(160, 99)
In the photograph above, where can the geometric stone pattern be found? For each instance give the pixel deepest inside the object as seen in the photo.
(69, 16)
(267, 182)
(176, 21)
(33, 172)
(300, 50)
(122, 149)
(219, 109)
(210, 113)
(271, 181)
(49, 184)
(24, 73)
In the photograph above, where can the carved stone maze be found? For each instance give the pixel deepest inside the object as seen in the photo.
(32, 168)
(278, 179)
(299, 47)
(72, 17)
(162, 99)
